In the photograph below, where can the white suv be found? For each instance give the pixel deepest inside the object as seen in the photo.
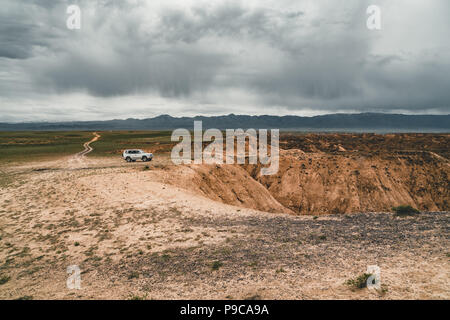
(133, 155)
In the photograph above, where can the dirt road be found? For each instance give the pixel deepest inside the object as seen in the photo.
(87, 147)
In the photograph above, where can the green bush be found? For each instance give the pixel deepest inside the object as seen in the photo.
(216, 265)
(4, 279)
(405, 210)
(137, 297)
(360, 282)
(133, 275)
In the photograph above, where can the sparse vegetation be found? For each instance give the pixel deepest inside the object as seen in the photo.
(113, 143)
(133, 275)
(5, 179)
(165, 257)
(359, 282)
(137, 297)
(4, 279)
(405, 210)
(216, 265)
(384, 289)
(166, 245)
(20, 146)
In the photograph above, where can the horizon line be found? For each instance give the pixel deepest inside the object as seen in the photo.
(224, 115)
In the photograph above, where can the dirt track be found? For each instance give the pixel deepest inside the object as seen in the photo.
(87, 146)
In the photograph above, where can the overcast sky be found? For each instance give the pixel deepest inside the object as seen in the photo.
(144, 58)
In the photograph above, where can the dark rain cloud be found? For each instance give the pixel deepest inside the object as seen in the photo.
(279, 55)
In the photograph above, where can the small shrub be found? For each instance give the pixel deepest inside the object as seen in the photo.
(76, 244)
(4, 279)
(165, 257)
(359, 282)
(216, 265)
(384, 289)
(405, 210)
(280, 270)
(136, 297)
(133, 275)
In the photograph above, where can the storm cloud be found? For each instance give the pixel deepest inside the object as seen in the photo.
(142, 58)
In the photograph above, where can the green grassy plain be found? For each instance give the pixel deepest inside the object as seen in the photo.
(114, 142)
(40, 145)
(32, 145)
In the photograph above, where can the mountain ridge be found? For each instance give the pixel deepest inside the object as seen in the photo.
(337, 121)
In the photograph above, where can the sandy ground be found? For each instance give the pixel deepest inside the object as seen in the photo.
(135, 235)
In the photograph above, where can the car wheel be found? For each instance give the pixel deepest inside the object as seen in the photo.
(128, 159)
(144, 158)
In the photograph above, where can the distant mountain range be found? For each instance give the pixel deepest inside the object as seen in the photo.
(332, 122)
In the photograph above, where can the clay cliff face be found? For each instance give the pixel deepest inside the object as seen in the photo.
(322, 183)
(335, 174)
